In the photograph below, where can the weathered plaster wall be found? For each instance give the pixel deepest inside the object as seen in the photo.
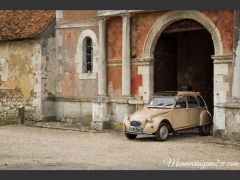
(223, 19)
(141, 24)
(69, 83)
(114, 55)
(20, 83)
(114, 38)
(136, 82)
(76, 16)
(114, 74)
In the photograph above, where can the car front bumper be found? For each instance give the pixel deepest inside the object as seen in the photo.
(133, 130)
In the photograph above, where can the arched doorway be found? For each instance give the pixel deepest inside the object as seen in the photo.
(182, 59)
(160, 25)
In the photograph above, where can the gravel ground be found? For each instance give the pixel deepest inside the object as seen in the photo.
(24, 147)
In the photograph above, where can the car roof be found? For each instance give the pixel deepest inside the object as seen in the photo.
(176, 93)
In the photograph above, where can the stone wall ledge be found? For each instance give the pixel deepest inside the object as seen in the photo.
(136, 101)
(233, 104)
(69, 99)
(127, 100)
(99, 99)
(227, 135)
(106, 13)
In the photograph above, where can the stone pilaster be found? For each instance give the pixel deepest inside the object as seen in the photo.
(102, 78)
(126, 64)
(221, 89)
(146, 70)
(100, 106)
(236, 75)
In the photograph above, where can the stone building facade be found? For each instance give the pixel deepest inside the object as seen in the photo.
(107, 63)
(27, 53)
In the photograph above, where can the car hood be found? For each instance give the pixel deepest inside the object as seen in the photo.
(145, 113)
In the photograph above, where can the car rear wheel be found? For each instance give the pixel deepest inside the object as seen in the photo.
(131, 136)
(204, 130)
(162, 133)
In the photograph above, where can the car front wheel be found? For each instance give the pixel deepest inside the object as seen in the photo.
(204, 130)
(162, 133)
(131, 136)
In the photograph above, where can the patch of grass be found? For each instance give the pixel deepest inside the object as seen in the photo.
(4, 122)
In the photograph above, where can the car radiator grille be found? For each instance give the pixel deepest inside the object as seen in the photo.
(135, 123)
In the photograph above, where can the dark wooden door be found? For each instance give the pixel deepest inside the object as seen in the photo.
(165, 64)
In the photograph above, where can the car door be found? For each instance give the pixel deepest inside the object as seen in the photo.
(180, 117)
(193, 110)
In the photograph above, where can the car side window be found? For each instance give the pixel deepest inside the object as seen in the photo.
(201, 101)
(192, 102)
(181, 103)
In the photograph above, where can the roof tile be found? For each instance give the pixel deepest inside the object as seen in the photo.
(24, 24)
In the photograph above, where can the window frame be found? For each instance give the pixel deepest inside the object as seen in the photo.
(80, 59)
(205, 105)
(188, 103)
(182, 96)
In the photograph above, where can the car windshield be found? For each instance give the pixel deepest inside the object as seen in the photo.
(162, 101)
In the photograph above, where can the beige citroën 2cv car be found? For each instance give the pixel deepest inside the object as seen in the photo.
(167, 112)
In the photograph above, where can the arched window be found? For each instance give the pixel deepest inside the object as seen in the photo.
(87, 55)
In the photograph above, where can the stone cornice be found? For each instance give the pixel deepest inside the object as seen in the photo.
(231, 104)
(75, 25)
(134, 61)
(119, 12)
(222, 59)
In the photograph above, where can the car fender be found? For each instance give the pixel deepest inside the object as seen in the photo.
(152, 127)
(205, 118)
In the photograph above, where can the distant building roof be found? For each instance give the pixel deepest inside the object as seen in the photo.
(24, 24)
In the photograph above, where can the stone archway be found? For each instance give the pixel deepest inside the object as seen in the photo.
(159, 26)
(163, 21)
